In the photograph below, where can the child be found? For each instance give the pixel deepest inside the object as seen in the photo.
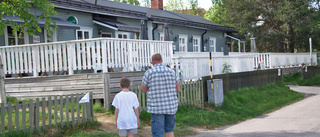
(127, 113)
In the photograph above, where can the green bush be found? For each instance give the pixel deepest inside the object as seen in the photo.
(97, 107)
(292, 78)
(310, 82)
(11, 99)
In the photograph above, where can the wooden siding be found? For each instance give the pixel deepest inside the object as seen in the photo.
(36, 87)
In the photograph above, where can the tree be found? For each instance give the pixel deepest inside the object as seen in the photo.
(146, 3)
(278, 25)
(191, 8)
(133, 2)
(21, 9)
(175, 5)
(215, 12)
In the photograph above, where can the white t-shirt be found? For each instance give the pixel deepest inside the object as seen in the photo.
(126, 102)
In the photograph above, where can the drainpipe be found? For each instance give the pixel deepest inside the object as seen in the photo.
(153, 31)
(202, 40)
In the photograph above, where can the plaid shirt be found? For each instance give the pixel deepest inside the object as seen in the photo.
(162, 92)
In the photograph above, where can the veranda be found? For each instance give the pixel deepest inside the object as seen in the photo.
(110, 54)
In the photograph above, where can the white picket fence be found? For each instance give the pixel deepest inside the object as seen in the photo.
(95, 54)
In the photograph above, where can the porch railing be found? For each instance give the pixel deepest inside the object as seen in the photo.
(94, 54)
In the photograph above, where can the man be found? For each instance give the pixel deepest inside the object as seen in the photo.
(162, 84)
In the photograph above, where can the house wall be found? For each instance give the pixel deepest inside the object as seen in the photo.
(176, 30)
(220, 40)
(84, 20)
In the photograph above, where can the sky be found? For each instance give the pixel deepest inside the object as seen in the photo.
(206, 4)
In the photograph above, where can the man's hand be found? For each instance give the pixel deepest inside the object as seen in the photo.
(144, 88)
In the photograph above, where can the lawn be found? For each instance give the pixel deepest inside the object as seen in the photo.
(239, 105)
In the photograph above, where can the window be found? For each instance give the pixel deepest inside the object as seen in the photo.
(183, 43)
(12, 37)
(50, 38)
(123, 35)
(106, 35)
(212, 44)
(196, 43)
(84, 33)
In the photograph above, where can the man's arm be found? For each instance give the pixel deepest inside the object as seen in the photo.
(144, 88)
(136, 111)
(178, 87)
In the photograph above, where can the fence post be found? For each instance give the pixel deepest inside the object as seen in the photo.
(106, 87)
(91, 106)
(2, 88)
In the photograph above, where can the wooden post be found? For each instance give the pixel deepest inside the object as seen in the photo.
(106, 93)
(2, 86)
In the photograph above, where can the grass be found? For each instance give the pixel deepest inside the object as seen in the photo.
(296, 79)
(310, 82)
(238, 105)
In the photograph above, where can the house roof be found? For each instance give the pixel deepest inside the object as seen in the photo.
(132, 11)
(59, 22)
(118, 25)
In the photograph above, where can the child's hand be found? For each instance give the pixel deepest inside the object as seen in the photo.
(138, 123)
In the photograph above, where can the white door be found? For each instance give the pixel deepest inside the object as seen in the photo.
(196, 43)
(183, 44)
(212, 44)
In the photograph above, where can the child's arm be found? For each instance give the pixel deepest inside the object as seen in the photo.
(116, 112)
(136, 111)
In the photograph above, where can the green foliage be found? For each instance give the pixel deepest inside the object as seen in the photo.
(226, 68)
(21, 9)
(11, 99)
(20, 133)
(310, 82)
(145, 116)
(97, 107)
(133, 2)
(296, 78)
(278, 26)
(191, 8)
(292, 78)
(239, 105)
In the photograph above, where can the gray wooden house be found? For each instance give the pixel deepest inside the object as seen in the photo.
(85, 19)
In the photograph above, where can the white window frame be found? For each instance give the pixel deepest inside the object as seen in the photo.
(196, 43)
(83, 29)
(54, 35)
(6, 37)
(213, 44)
(185, 42)
(105, 33)
(123, 33)
(161, 36)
